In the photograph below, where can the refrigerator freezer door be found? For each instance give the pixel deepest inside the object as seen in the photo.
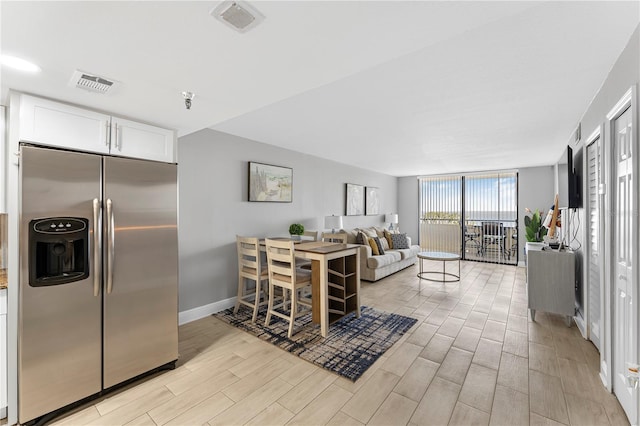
(59, 335)
(141, 251)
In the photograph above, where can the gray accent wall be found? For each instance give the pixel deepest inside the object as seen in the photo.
(624, 74)
(536, 191)
(214, 206)
(408, 207)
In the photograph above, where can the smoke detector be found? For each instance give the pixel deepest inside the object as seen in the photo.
(92, 83)
(239, 15)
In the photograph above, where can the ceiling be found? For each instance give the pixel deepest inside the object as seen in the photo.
(404, 88)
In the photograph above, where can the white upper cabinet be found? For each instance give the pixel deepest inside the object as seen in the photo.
(56, 124)
(132, 139)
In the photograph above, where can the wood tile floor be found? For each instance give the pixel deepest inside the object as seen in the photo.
(473, 358)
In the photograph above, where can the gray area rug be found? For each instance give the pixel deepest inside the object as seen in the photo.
(352, 346)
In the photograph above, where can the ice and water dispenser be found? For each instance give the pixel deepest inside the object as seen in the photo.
(58, 250)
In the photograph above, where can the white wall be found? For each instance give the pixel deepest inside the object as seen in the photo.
(3, 151)
(213, 186)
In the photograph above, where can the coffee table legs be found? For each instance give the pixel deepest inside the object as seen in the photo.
(423, 274)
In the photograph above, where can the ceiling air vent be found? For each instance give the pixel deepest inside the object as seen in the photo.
(92, 83)
(239, 15)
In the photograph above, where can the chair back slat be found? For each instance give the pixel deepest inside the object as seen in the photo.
(251, 276)
(312, 234)
(248, 254)
(338, 237)
(281, 261)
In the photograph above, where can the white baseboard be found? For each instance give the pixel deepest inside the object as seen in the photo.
(185, 317)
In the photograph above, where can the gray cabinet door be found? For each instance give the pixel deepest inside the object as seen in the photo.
(141, 267)
(551, 282)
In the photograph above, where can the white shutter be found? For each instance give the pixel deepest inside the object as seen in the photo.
(593, 214)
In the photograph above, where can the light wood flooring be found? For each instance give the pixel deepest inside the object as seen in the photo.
(473, 358)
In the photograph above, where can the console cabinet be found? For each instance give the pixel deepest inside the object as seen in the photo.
(52, 123)
(551, 282)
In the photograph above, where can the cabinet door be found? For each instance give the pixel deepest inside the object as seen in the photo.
(137, 140)
(55, 124)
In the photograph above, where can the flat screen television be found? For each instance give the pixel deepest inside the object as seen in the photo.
(569, 185)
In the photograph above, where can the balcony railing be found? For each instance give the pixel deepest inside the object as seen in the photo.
(496, 241)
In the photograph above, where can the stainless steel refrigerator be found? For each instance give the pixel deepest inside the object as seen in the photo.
(98, 275)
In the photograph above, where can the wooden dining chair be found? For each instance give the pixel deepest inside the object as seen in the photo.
(250, 268)
(305, 263)
(338, 237)
(283, 274)
(312, 234)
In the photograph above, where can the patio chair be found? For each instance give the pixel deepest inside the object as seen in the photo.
(493, 233)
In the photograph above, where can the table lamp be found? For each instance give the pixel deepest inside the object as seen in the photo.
(333, 222)
(392, 219)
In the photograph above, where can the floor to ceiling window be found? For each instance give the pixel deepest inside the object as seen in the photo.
(472, 215)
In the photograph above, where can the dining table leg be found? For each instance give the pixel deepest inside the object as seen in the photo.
(315, 291)
(324, 311)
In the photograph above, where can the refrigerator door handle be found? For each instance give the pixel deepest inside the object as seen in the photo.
(97, 246)
(110, 245)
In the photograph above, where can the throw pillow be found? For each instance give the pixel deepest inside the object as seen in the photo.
(385, 243)
(387, 236)
(374, 247)
(379, 231)
(369, 232)
(362, 239)
(379, 243)
(400, 241)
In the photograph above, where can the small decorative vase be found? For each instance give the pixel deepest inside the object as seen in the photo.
(296, 237)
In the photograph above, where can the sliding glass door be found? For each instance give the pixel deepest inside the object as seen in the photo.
(441, 213)
(471, 215)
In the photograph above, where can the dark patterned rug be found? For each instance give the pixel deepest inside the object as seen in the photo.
(352, 346)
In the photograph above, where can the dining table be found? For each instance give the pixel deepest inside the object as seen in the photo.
(335, 280)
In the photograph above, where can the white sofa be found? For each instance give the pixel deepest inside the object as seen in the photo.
(372, 267)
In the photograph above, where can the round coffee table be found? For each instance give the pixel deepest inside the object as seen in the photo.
(444, 258)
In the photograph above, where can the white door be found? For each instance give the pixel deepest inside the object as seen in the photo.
(625, 321)
(594, 229)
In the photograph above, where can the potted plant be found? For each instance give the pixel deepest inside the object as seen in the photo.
(535, 232)
(296, 230)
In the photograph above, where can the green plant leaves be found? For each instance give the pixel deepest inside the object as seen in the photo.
(534, 231)
(296, 229)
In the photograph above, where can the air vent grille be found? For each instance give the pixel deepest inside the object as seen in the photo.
(239, 15)
(92, 83)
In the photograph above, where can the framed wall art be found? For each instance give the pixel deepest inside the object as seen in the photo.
(355, 200)
(268, 183)
(372, 199)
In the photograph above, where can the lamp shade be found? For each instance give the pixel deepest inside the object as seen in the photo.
(333, 222)
(391, 218)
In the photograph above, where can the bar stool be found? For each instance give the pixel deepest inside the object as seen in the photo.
(283, 273)
(250, 268)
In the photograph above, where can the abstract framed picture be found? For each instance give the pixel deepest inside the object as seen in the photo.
(372, 199)
(269, 183)
(355, 200)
